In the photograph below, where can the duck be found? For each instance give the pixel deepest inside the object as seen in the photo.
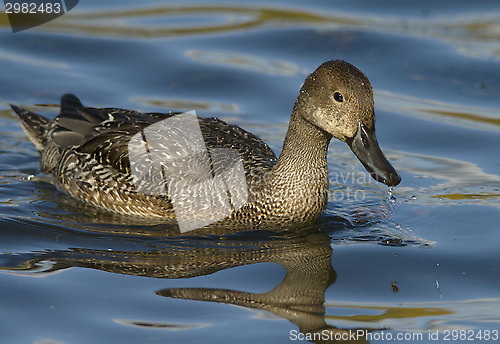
(199, 171)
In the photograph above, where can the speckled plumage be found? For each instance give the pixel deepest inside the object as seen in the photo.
(86, 150)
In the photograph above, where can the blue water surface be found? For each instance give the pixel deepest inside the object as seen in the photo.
(425, 262)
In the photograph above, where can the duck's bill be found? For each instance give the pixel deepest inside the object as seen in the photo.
(366, 148)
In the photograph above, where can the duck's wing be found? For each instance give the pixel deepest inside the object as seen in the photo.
(256, 155)
(105, 134)
(101, 134)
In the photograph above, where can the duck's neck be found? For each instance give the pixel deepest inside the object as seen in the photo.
(300, 177)
(305, 147)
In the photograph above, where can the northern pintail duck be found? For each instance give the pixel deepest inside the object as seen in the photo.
(87, 150)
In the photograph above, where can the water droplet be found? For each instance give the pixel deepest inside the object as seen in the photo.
(392, 198)
(30, 177)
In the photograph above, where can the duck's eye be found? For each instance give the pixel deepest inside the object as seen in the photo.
(338, 97)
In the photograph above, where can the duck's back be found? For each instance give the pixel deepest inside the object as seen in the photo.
(88, 152)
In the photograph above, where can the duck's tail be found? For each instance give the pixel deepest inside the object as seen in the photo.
(34, 125)
(39, 128)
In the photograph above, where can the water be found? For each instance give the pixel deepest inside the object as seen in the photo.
(425, 264)
(392, 198)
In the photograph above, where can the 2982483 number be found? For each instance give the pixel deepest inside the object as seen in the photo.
(32, 8)
(471, 335)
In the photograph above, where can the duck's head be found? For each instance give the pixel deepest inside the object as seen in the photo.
(338, 98)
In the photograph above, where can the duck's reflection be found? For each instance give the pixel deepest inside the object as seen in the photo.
(299, 297)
